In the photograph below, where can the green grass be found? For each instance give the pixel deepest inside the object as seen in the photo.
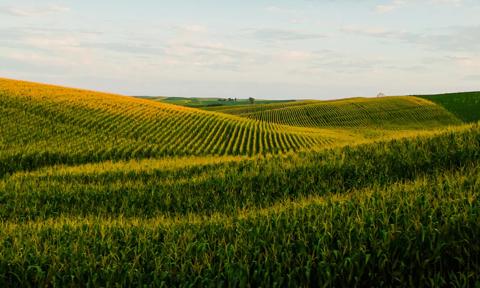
(102, 190)
(465, 106)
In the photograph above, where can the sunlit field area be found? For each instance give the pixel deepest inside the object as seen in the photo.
(106, 190)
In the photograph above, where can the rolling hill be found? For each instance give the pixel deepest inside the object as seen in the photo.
(385, 113)
(465, 106)
(103, 190)
(44, 124)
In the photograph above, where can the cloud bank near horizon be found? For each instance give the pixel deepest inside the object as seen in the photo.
(262, 49)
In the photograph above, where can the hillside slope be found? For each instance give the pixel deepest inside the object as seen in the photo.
(379, 214)
(384, 113)
(257, 107)
(465, 106)
(43, 124)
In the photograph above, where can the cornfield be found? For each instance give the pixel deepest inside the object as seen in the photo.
(465, 106)
(45, 125)
(106, 190)
(385, 113)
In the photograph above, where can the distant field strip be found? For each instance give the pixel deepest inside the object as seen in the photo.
(389, 113)
(42, 125)
(465, 106)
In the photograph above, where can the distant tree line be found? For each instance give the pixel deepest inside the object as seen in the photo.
(250, 99)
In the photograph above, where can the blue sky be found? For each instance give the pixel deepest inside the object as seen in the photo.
(263, 49)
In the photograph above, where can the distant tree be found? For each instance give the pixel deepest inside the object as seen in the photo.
(380, 95)
(230, 99)
(235, 99)
(251, 100)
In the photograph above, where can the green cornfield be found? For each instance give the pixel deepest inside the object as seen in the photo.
(465, 106)
(101, 190)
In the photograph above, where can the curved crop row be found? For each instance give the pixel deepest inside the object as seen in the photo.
(415, 234)
(388, 112)
(42, 125)
(397, 213)
(206, 185)
(246, 109)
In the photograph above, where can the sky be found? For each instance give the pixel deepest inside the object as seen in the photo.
(283, 49)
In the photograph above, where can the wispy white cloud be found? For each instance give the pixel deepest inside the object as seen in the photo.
(374, 31)
(458, 38)
(30, 11)
(280, 10)
(386, 8)
(455, 2)
(278, 35)
(155, 50)
(192, 28)
(397, 4)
